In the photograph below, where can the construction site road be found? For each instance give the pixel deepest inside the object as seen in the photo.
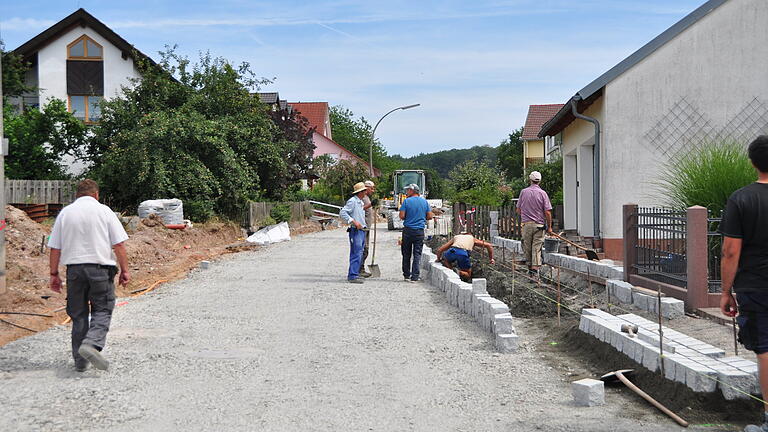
(277, 340)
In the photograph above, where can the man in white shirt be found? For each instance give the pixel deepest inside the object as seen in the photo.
(83, 238)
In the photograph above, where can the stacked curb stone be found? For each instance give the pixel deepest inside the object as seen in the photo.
(491, 315)
(698, 365)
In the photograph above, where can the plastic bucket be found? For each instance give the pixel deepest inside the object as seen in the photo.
(551, 245)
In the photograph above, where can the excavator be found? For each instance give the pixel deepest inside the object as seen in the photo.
(402, 178)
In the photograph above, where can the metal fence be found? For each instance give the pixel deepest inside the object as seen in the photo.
(661, 245)
(714, 246)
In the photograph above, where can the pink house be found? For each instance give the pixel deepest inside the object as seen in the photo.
(317, 113)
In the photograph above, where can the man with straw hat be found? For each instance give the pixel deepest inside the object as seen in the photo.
(353, 214)
(369, 215)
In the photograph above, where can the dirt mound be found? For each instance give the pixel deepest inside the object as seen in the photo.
(155, 254)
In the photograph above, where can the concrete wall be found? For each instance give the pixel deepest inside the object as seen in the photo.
(718, 66)
(52, 66)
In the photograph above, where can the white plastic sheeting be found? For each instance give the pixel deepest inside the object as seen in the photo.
(271, 234)
(171, 211)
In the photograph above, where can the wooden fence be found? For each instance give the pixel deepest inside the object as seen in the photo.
(477, 220)
(39, 191)
(259, 211)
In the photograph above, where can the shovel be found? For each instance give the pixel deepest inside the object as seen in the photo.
(591, 255)
(373, 269)
(620, 376)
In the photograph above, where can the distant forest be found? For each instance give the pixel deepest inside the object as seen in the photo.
(444, 161)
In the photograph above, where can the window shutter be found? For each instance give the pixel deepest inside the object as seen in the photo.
(85, 77)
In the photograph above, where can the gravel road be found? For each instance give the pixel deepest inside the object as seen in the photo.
(275, 340)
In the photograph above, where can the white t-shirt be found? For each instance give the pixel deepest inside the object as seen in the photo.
(85, 231)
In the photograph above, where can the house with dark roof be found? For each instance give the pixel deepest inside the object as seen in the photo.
(536, 148)
(318, 116)
(80, 61)
(703, 78)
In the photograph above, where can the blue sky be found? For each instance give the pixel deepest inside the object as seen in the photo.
(475, 66)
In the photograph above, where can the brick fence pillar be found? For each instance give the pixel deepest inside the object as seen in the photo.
(696, 254)
(629, 218)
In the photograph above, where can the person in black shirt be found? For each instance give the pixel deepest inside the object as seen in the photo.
(744, 265)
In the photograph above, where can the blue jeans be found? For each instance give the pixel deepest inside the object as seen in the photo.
(413, 242)
(356, 244)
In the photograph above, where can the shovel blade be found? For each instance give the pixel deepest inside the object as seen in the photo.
(374, 270)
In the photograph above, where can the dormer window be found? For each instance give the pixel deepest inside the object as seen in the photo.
(84, 48)
(85, 78)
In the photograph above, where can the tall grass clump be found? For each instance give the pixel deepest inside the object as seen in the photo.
(706, 176)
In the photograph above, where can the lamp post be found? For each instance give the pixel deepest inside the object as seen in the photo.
(373, 134)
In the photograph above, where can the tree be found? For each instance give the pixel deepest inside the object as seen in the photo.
(355, 135)
(340, 178)
(478, 184)
(442, 162)
(14, 70)
(194, 132)
(510, 155)
(551, 179)
(295, 134)
(38, 139)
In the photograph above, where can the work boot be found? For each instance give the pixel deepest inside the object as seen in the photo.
(356, 281)
(90, 353)
(364, 274)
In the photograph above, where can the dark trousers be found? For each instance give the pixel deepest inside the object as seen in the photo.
(90, 291)
(365, 250)
(413, 242)
(356, 241)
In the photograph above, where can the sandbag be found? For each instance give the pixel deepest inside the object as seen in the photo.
(271, 234)
(171, 211)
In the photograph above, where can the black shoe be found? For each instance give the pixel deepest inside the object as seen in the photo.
(356, 281)
(364, 274)
(90, 353)
(81, 366)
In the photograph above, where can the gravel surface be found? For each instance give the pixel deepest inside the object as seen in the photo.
(276, 340)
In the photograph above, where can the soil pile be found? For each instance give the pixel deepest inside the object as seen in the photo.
(155, 254)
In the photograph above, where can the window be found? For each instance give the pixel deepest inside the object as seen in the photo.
(85, 108)
(84, 48)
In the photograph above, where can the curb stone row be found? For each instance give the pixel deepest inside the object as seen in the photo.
(491, 314)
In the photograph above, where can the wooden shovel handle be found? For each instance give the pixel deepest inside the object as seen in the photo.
(653, 401)
(568, 241)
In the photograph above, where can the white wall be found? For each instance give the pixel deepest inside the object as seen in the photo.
(52, 66)
(718, 65)
(578, 142)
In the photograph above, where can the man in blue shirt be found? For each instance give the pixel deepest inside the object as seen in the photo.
(414, 212)
(354, 215)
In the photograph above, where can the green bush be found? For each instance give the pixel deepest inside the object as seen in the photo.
(281, 213)
(198, 210)
(706, 177)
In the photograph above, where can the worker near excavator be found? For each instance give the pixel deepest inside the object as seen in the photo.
(535, 212)
(353, 214)
(83, 238)
(368, 208)
(744, 265)
(457, 251)
(415, 212)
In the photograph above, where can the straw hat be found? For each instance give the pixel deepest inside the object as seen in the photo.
(359, 187)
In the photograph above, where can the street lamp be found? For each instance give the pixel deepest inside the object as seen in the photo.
(373, 134)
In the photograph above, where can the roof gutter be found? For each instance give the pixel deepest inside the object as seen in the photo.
(595, 164)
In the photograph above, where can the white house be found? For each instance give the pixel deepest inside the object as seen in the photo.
(704, 77)
(80, 61)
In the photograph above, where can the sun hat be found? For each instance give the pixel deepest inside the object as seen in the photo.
(535, 176)
(359, 187)
(369, 183)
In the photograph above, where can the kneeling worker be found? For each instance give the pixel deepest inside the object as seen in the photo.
(456, 252)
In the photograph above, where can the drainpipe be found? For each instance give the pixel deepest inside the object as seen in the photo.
(595, 165)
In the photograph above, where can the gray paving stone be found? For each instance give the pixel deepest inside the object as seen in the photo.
(503, 324)
(733, 382)
(588, 392)
(640, 300)
(479, 286)
(507, 343)
(620, 290)
(701, 379)
(651, 358)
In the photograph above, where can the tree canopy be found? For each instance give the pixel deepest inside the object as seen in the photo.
(195, 132)
(510, 155)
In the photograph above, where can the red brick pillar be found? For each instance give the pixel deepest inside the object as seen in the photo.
(629, 218)
(696, 254)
